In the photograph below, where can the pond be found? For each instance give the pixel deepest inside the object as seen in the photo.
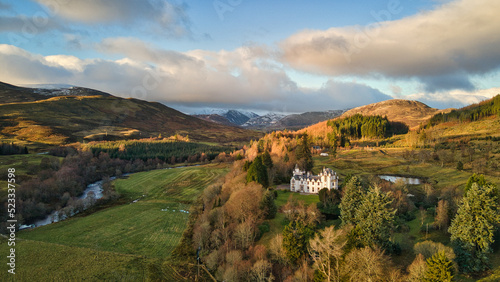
(407, 180)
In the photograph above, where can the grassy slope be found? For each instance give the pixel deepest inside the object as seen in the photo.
(62, 119)
(135, 233)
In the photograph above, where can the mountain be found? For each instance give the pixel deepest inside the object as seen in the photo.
(297, 121)
(236, 117)
(412, 113)
(264, 121)
(58, 116)
(215, 118)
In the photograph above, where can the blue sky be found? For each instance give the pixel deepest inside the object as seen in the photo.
(285, 56)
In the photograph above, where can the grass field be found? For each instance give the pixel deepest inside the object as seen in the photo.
(390, 161)
(129, 237)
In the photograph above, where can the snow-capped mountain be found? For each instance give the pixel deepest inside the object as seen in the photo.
(264, 121)
(236, 117)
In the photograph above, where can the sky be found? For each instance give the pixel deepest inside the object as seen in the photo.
(281, 56)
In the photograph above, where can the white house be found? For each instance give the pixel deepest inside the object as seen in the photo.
(307, 183)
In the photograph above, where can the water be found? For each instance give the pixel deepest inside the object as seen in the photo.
(407, 180)
(96, 188)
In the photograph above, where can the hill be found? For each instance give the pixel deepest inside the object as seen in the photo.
(58, 116)
(413, 113)
(297, 121)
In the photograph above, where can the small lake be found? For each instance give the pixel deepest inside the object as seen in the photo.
(407, 180)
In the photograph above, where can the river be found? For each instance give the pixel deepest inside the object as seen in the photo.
(96, 188)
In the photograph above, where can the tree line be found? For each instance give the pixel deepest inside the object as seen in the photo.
(163, 149)
(12, 149)
(358, 126)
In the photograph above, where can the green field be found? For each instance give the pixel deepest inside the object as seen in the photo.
(390, 161)
(122, 240)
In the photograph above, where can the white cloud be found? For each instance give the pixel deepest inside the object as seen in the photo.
(160, 16)
(441, 47)
(453, 98)
(242, 78)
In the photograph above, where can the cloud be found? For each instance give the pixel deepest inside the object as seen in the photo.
(159, 16)
(29, 26)
(241, 78)
(441, 47)
(453, 98)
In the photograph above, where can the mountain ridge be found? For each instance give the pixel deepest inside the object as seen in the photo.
(88, 115)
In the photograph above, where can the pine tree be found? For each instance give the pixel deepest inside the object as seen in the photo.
(353, 196)
(258, 172)
(473, 228)
(266, 160)
(268, 205)
(295, 240)
(439, 269)
(374, 219)
(303, 153)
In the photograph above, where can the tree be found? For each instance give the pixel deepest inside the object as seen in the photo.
(268, 205)
(326, 250)
(261, 269)
(303, 153)
(442, 217)
(475, 178)
(430, 248)
(439, 269)
(365, 264)
(266, 160)
(460, 165)
(258, 172)
(351, 200)
(473, 228)
(417, 269)
(295, 238)
(374, 219)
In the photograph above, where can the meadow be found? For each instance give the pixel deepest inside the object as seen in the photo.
(124, 242)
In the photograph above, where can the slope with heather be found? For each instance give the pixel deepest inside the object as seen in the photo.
(42, 118)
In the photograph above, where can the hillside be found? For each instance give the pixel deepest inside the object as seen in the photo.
(297, 121)
(413, 113)
(216, 119)
(53, 117)
(474, 112)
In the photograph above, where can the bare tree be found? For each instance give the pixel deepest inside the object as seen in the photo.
(326, 250)
(261, 271)
(366, 265)
(442, 219)
(417, 268)
(276, 250)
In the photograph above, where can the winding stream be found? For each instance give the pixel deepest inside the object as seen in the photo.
(96, 188)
